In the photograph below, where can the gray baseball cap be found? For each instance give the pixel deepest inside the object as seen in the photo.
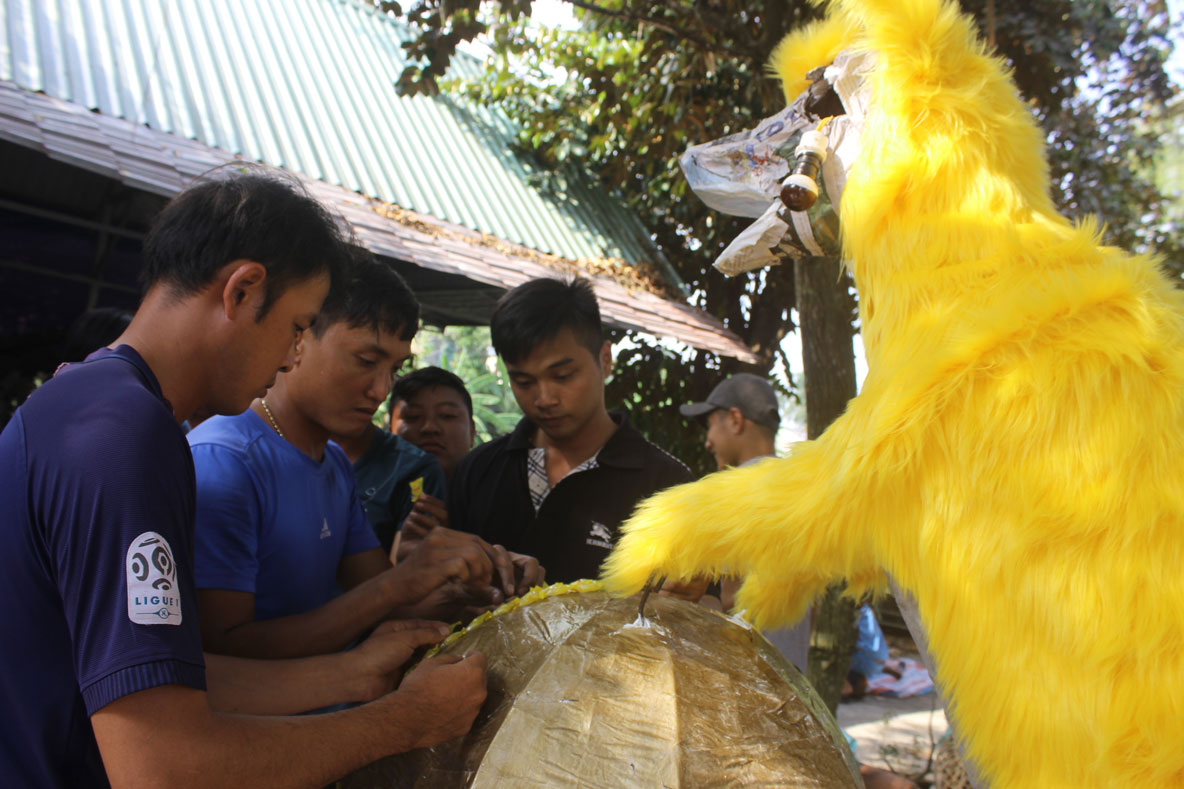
(750, 393)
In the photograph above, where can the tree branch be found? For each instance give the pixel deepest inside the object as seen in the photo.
(663, 26)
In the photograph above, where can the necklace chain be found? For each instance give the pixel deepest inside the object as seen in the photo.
(271, 417)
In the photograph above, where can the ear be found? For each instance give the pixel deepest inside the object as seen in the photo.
(606, 358)
(298, 350)
(244, 290)
(735, 421)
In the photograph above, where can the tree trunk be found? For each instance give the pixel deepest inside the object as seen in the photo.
(824, 315)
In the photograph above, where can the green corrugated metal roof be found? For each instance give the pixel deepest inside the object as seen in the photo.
(308, 85)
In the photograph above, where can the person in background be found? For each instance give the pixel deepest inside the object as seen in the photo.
(280, 528)
(104, 679)
(431, 408)
(393, 475)
(742, 417)
(558, 486)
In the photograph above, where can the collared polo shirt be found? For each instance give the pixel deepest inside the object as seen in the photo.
(575, 526)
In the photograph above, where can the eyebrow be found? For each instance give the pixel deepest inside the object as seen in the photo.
(375, 348)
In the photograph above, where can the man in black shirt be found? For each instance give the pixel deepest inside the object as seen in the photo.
(559, 485)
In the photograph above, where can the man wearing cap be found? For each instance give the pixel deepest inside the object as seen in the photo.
(742, 418)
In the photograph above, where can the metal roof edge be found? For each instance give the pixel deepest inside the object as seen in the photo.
(165, 164)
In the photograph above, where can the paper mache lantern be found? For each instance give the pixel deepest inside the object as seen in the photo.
(584, 693)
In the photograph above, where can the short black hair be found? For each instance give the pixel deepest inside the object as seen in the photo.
(370, 294)
(536, 311)
(416, 381)
(247, 216)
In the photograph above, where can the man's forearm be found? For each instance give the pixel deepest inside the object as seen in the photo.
(194, 746)
(284, 687)
(321, 631)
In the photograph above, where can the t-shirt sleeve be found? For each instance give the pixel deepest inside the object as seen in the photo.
(226, 535)
(117, 515)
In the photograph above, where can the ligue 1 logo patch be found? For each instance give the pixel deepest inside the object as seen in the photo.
(152, 594)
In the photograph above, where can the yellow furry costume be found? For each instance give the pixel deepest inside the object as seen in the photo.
(1016, 457)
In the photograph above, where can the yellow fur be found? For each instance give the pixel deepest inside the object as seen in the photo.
(1016, 456)
(814, 45)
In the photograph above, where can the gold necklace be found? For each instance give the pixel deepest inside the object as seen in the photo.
(271, 417)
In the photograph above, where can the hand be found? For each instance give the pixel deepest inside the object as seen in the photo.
(690, 590)
(453, 602)
(445, 694)
(528, 573)
(427, 513)
(378, 662)
(445, 556)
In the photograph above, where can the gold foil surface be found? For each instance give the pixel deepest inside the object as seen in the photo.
(584, 694)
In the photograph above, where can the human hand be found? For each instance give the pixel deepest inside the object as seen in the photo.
(377, 663)
(444, 557)
(444, 695)
(528, 573)
(453, 602)
(427, 513)
(690, 590)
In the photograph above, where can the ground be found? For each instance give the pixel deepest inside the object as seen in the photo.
(899, 735)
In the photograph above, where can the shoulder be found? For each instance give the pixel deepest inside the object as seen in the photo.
(669, 466)
(94, 411)
(631, 444)
(229, 452)
(489, 453)
(237, 432)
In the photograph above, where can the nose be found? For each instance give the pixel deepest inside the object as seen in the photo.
(546, 396)
(430, 426)
(380, 387)
(289, 358)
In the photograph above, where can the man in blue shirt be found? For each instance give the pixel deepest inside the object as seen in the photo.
(104, 677)
(280, 529)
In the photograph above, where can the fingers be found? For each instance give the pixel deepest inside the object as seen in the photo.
(432, 507)
(416, 526)
(438, 660)
(528, 572)
(503, 563)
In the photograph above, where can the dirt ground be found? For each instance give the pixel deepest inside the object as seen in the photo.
(896, 734)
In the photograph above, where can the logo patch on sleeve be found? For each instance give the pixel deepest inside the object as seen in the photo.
(153, 597)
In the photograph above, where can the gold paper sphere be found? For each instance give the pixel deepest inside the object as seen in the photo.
(583, 695)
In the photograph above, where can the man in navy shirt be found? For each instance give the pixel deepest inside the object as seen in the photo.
(104, 677)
